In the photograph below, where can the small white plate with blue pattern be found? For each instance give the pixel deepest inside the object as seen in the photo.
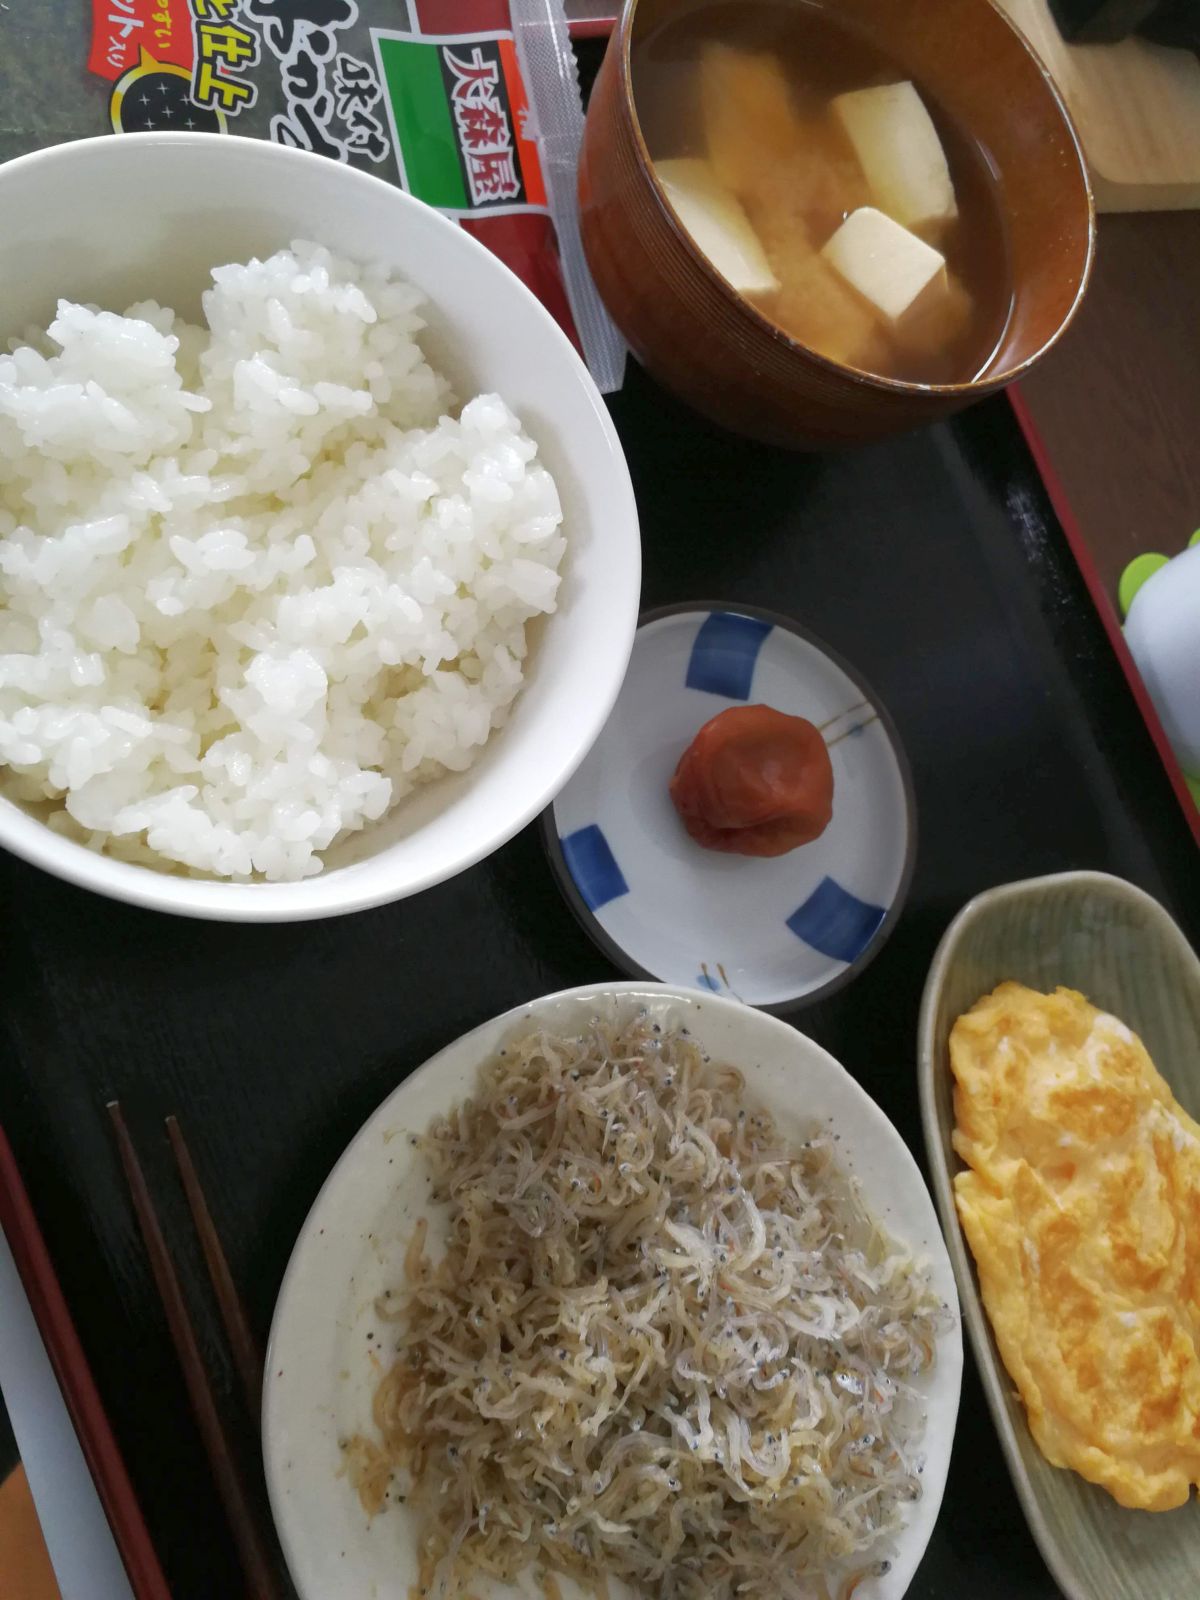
(775, 933)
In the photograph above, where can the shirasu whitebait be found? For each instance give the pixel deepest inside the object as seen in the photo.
(663, 1344)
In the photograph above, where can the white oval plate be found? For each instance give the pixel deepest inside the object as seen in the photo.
(777, 933)
(320, 1373)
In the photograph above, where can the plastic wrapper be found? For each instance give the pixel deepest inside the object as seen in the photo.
(446, 98)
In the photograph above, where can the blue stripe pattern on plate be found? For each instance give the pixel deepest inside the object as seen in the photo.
(836, 922)
(725, 653)
(593, 866)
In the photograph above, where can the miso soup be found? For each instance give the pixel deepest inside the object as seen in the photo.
(831, 191)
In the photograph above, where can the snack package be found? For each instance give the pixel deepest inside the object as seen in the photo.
(471, 105)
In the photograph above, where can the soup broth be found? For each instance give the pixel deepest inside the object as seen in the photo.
(835, 218)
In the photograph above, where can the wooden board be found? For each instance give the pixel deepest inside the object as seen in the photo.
(1117, 401)
(1110, 415)
(1137, 108)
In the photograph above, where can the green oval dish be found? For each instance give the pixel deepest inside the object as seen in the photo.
(1117, 945)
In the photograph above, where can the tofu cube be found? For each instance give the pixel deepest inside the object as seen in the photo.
(749, 115)
(717, 223)
(898, 274)
(900, 153)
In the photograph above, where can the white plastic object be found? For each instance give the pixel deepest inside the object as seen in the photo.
(76, 1531)
(552, 82)
(1162, 631)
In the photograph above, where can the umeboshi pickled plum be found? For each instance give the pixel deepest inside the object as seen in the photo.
(755, 782)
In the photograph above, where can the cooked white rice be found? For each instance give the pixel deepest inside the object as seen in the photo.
(256, 582)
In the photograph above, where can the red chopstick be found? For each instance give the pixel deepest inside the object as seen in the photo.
(74, 1377)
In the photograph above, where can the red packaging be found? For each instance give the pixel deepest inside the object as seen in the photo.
(514, 223)
(431, 94)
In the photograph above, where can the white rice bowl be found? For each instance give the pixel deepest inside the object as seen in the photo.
(256, 584)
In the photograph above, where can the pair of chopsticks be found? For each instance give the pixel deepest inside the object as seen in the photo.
(252, 1546)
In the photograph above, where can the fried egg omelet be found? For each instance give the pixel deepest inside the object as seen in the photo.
(1081, 1204)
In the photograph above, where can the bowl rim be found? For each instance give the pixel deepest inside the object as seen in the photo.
(992, 1373)
(988, 381)
(222, 900)
(616, 954)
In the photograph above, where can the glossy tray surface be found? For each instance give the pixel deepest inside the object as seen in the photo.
(929, 562)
